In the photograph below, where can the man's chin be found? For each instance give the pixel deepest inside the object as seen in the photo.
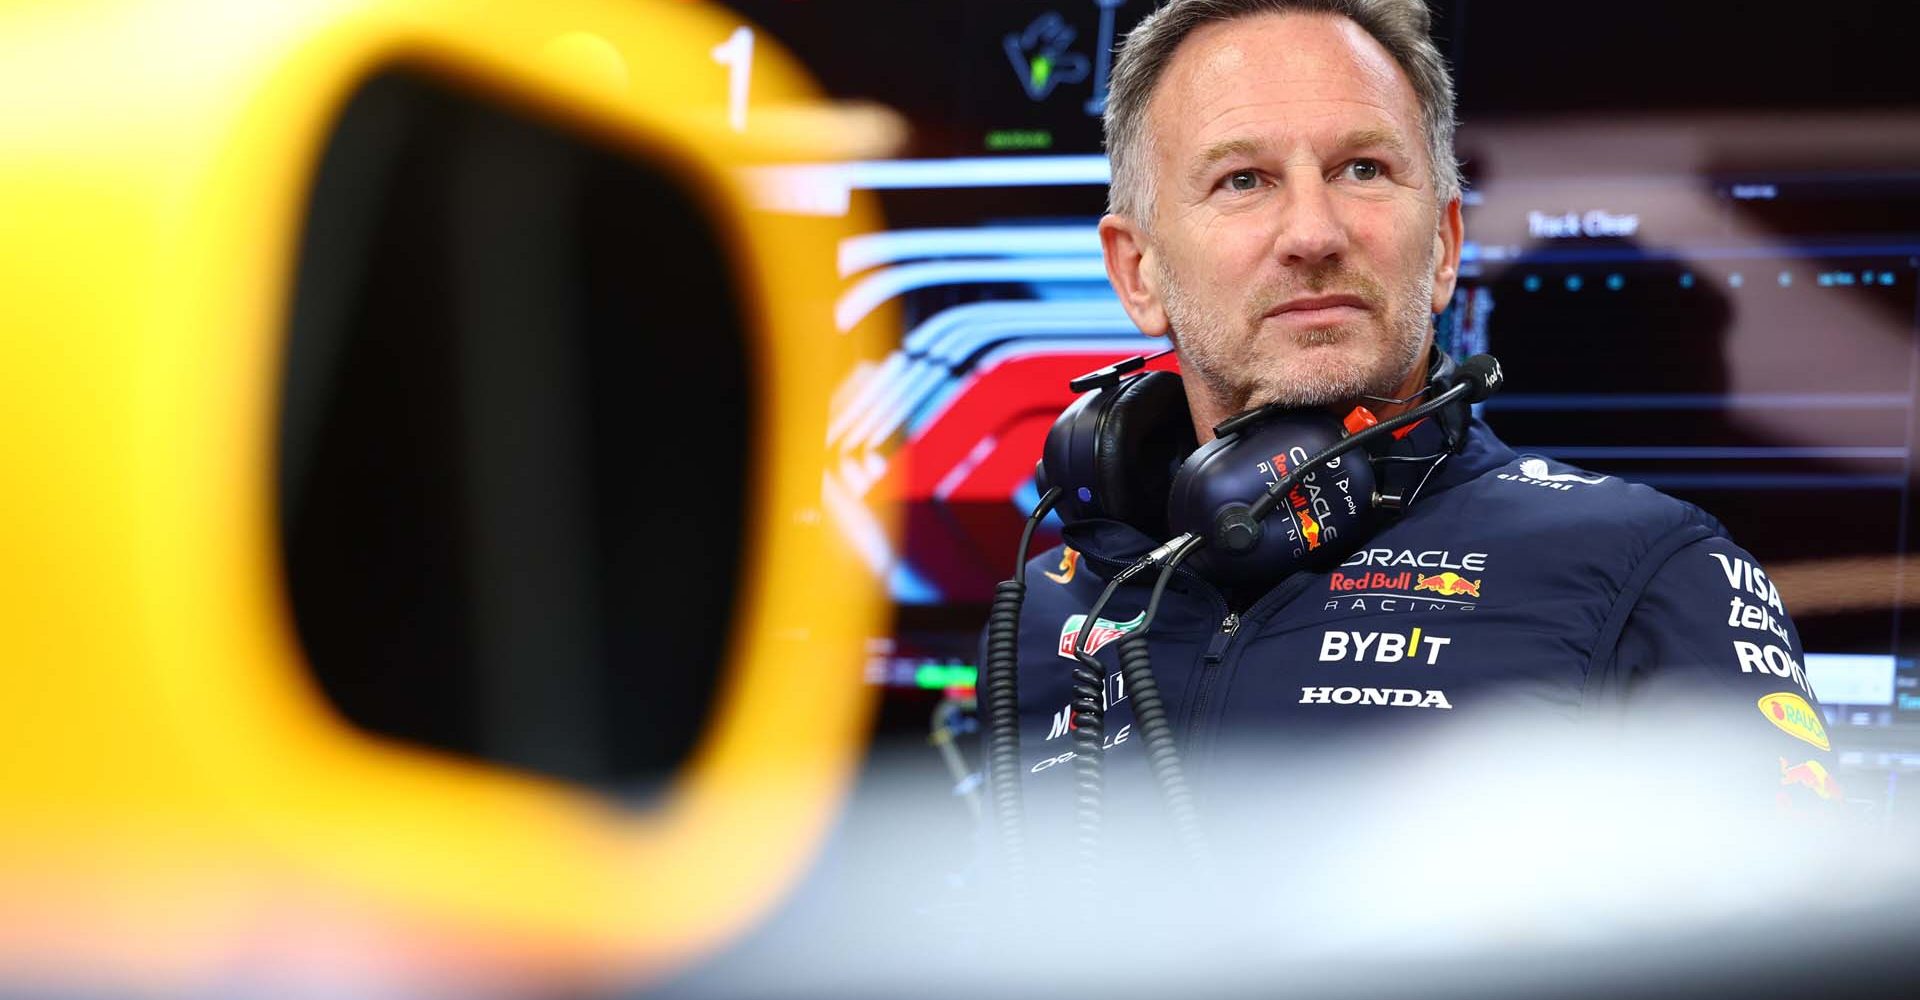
(1307, 395)
(1321, 338)
(1323, 381)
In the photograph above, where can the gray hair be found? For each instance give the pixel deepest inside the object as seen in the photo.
(1400, 26)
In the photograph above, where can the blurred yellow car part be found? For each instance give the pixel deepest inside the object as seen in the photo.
(178, 802)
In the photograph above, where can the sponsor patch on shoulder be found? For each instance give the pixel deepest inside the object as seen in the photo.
(1791, 714)
(1536, 472)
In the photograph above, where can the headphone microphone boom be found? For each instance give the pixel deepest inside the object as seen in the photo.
(1480, 372)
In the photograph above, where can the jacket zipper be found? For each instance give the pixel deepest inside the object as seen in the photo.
(1209, 672)
(1198, 743)
(1228, 626)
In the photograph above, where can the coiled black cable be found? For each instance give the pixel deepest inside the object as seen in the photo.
(1156, 733)
(1089, 703)
(1089, 713)
(1000, 694)
(1090, 725)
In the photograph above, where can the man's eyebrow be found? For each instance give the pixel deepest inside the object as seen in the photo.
(1377, 137)
(1221, 150)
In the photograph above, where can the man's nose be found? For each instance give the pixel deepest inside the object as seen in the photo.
(1309, 229)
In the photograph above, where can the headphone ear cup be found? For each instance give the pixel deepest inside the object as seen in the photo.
(1147, 433)
(1319, 522)
(1114, 451)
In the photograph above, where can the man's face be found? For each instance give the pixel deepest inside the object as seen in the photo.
(1297, 249)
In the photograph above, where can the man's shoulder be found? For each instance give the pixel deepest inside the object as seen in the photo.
(1520, 494)
(1537, 494)
(1549, 520)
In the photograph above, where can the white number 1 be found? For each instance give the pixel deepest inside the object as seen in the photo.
(736, 53)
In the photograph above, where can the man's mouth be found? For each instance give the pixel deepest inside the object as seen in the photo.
(1317, 310)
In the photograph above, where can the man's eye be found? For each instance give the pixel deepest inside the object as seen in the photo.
(1242, 180)
(1364, 170)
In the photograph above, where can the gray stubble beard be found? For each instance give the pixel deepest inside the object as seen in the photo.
(1195, 334)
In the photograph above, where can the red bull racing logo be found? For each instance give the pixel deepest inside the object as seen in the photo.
(1449, 583)
(1375, 580)
(1396, 580)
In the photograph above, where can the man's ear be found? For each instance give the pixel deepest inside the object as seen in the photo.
(1446, 259)
(1131, 268)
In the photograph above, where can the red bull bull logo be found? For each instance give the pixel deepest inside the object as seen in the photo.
(1309, 529)
(1811, 775)
(1449, 583)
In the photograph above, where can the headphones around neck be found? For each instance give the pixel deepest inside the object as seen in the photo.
(1275, 491)
(1126, 451)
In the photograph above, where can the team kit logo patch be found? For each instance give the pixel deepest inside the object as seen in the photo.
(1536, 472)
(1791, 714)
(1069, 564)
(1449, 583)
(1439, 577)
(1384, 697)
(1811, 775)
(1105, 630)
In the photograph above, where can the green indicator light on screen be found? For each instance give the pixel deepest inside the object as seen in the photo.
(1042, 69)
(1019, 138)
(939, 676)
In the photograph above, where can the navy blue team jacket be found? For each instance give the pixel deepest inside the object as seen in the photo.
(1512, 583)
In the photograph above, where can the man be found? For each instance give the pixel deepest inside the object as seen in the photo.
(1285, 207)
